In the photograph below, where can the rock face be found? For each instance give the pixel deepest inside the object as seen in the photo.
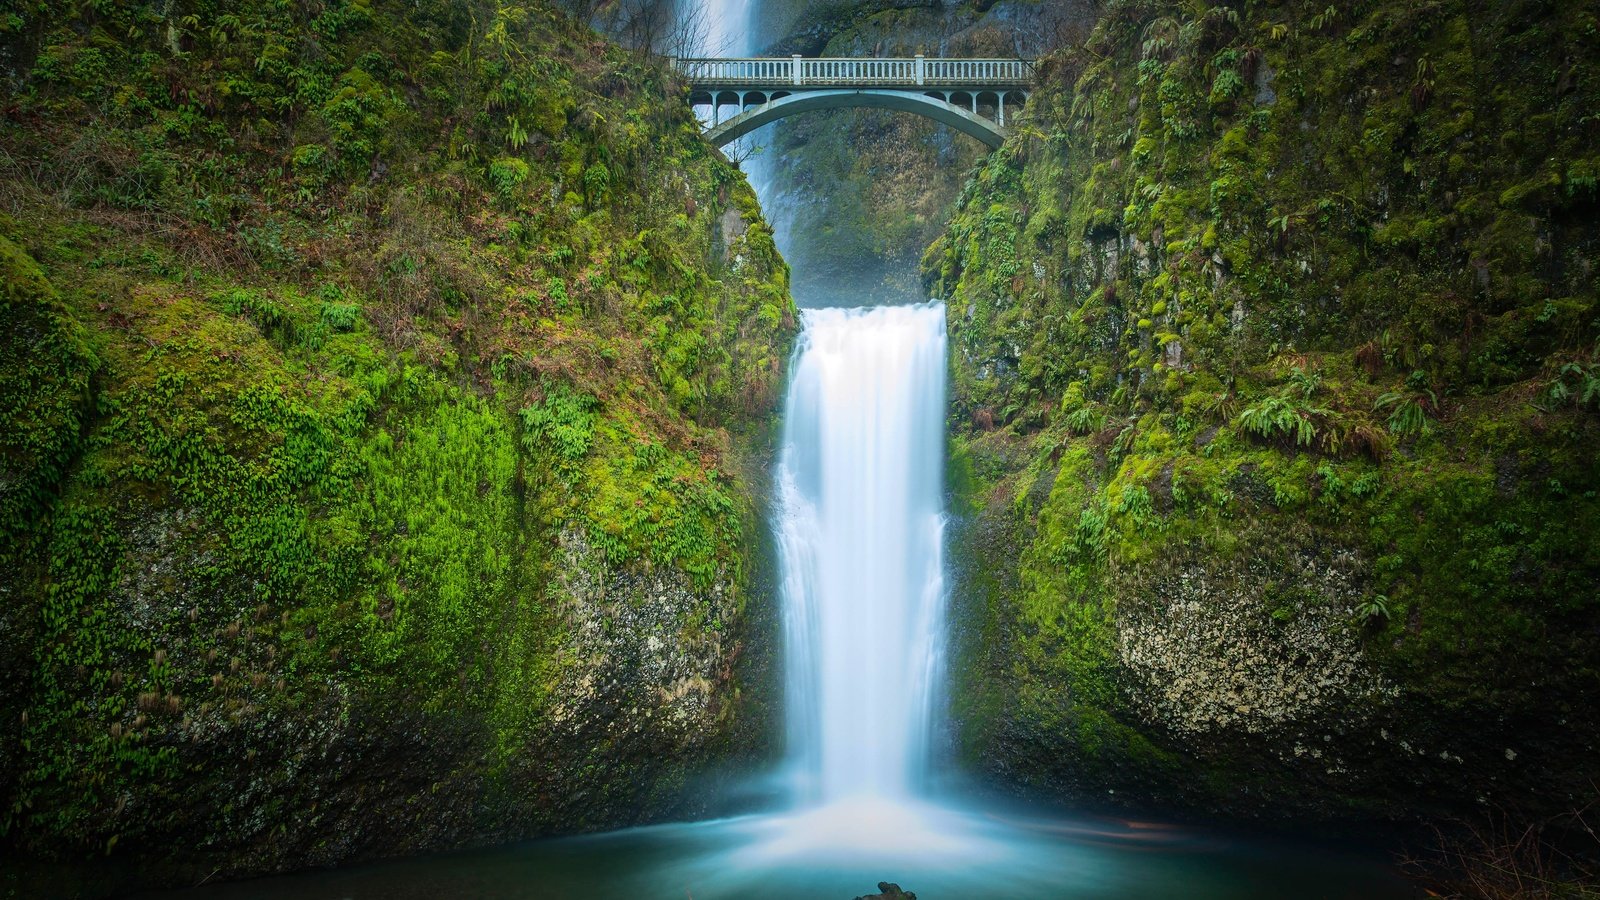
(642, 651)
(1274, 492)
(398, 492)
(1211, 651)
(889, 891)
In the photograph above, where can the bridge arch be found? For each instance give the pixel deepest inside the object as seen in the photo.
(932, 104)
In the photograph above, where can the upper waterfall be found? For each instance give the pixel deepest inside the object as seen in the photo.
(724, 28)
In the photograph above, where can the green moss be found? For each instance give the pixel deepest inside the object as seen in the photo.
(45, 371)
(440, 296)
(1275, 320)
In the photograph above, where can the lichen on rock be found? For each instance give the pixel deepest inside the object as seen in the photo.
(640, 648)
(1256, 647)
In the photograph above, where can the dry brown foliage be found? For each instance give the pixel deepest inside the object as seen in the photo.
(1501, 856)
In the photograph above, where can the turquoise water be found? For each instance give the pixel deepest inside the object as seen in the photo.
(941, 853)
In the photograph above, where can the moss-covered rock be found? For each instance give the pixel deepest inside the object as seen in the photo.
(1275, 387)
(383, 402)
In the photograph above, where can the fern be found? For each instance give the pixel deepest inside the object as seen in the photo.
(1309, 381)
(1085, 420)
(1576, 382)
(563, 422)
(1221, 406)
(1160, 38)
(1223, 13)
(1374, 608)
(1274, 418)
(1408, 412)
(1089, 539)
(516, 135)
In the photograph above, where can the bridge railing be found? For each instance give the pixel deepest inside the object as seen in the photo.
(799, 71)
(979, 71)
(742, 71)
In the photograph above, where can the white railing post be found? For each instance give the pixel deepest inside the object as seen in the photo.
(922, 65)
(797, 79)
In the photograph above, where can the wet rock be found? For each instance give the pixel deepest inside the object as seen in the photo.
(638, 639)
(889, 891)
(733, 227)
(1265, 94)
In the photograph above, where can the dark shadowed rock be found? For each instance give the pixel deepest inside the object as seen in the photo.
(887, 891)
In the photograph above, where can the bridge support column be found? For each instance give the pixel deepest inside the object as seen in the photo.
(797, 76)
(1000, 108)
(922, 69)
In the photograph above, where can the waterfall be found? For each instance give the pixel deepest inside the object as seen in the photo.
(860, 530)
(723, 26)
(859, 522)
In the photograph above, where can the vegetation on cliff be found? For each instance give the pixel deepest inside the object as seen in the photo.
(1276, 386)
(362, 364)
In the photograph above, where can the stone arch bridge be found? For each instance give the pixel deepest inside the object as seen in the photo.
(970, 95)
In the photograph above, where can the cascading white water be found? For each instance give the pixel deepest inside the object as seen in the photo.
(860, 528)
(723, 26)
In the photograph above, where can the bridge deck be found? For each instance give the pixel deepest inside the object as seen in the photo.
(907, 73)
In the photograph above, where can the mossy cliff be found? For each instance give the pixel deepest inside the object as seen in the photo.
(1275, 398)
(381, 391)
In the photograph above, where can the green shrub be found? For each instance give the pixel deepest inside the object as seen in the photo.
(1408, 410)
(597, 183)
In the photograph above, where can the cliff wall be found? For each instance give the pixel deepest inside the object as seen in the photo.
(385, 392)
